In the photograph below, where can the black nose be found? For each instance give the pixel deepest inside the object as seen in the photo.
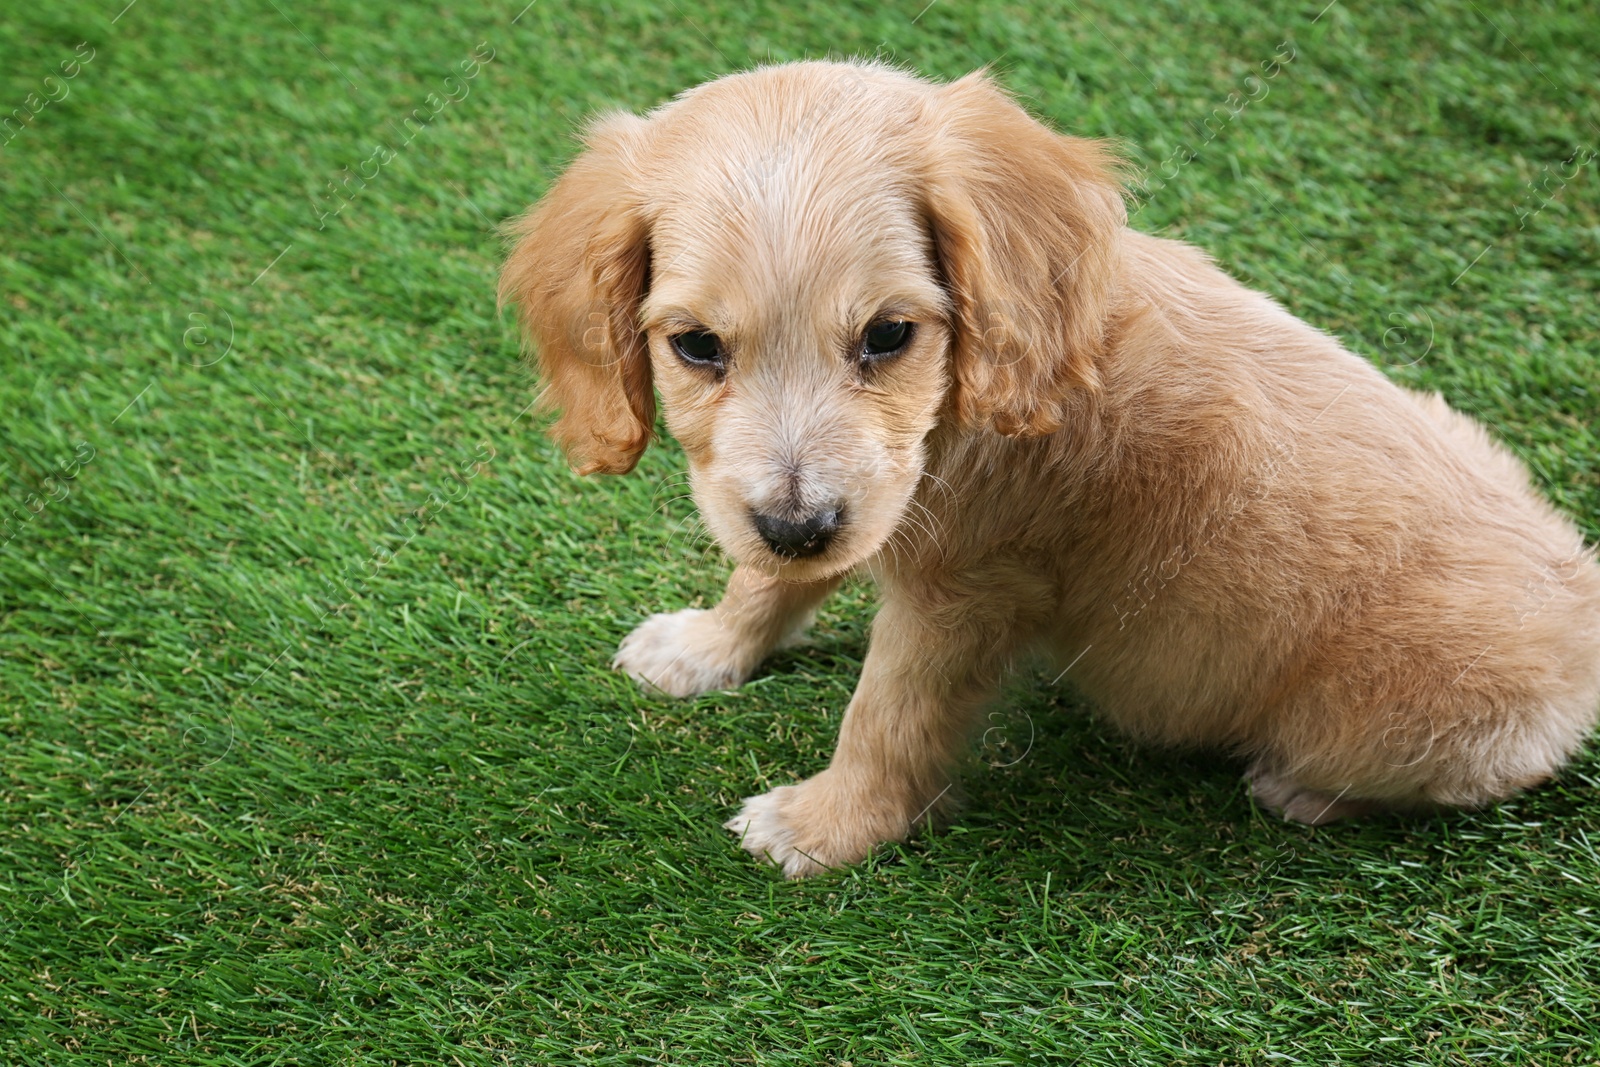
(798, 539)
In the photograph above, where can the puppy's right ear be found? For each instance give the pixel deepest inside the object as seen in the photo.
(578, 271)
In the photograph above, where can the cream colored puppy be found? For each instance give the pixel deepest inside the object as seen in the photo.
(902, 327)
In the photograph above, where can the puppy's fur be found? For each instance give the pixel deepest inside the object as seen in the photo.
(1095, 447)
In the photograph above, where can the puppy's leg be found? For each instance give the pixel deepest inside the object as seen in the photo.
(923, 679)
(685, 653)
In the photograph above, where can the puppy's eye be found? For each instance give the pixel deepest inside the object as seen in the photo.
(700, 348)
(884, 339)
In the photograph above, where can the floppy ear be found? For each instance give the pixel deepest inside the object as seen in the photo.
(577, 273)
(1025, 224)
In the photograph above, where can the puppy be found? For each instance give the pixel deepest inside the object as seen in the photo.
(902, 328)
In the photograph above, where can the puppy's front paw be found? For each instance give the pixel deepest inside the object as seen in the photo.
(765, 833)
(683, 654)
(813, 827)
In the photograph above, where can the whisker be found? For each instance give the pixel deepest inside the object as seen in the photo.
(936, 528)
(669, 503)
(929, 526)
(688, 533)
(672, 481)
(903, 530)
(940, 482)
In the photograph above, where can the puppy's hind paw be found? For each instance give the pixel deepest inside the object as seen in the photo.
(1295, 803)
(683, 654)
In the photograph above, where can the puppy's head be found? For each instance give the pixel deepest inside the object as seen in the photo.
(817, 265)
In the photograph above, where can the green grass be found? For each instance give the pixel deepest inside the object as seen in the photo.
(311, 752)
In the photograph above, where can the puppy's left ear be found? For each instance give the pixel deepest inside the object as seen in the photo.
(1026, 225)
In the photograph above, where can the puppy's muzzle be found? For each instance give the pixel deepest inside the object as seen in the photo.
(797, 540)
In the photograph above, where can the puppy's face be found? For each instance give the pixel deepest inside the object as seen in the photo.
(797, 332)
(815, 265)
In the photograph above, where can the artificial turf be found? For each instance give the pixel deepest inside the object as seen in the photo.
(311, 750)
